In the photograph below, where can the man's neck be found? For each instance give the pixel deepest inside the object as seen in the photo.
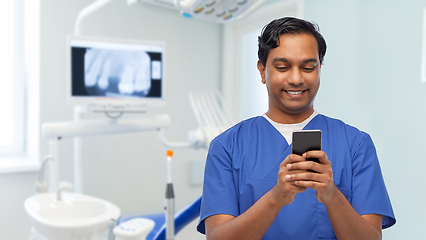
(288, 118)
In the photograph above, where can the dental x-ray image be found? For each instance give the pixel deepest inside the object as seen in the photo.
(107, 71)
(116, 73)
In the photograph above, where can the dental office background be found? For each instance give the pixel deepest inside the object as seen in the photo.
(371, 79)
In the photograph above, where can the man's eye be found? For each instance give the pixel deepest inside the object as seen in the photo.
(308, 69)
(282, 67)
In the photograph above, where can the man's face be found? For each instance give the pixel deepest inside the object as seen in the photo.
(292, 77)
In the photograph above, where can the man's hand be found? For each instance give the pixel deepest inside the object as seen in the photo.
(284, 190)
(346, 222)
(309, 174)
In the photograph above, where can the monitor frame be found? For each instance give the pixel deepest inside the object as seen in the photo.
(107, 102)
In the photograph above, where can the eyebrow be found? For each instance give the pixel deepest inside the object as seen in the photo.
(309, 60)
(280, 60)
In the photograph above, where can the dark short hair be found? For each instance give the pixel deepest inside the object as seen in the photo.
(269, 38)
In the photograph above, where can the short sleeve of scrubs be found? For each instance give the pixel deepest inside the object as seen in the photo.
(221, 197)
(369, 191)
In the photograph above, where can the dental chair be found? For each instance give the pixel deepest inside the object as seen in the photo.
(182, 218)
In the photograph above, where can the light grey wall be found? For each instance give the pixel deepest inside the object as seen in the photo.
(130, 169)
(15, 188)
(371, 79)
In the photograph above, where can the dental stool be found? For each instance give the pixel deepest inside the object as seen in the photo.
(182, 218)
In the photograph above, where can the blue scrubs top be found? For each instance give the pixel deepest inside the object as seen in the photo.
(243, 163)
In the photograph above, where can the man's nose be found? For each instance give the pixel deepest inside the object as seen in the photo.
(295, 77)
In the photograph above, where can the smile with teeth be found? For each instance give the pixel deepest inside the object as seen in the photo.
(294, 92)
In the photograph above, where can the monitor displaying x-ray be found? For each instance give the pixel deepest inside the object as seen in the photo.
(106, 72)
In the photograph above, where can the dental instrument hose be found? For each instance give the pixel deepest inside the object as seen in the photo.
(170, 200)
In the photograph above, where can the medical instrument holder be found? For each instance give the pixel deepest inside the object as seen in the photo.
(169, 206)
(134, 229)
(169, 203)
(212, 116)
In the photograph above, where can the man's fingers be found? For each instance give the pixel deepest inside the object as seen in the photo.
(292, 158)
(317, 154)
(304, 176)
(304, 165)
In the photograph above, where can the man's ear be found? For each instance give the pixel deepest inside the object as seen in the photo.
(261, 69)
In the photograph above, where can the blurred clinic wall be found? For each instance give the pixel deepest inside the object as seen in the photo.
(371, 79)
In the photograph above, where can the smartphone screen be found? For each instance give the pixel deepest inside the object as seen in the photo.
(306, 140)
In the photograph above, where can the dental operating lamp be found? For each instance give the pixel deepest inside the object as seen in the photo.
(220, 11)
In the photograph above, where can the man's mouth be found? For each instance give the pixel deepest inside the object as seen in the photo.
(294, 92)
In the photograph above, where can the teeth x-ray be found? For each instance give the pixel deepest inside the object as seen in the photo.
(117, 72)
(109, 72)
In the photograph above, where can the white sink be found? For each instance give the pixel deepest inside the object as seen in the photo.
(74, 217)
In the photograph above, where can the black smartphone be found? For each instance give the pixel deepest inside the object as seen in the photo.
(306, 140)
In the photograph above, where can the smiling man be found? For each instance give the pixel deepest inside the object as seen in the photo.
(255, 188)
(293, 73)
